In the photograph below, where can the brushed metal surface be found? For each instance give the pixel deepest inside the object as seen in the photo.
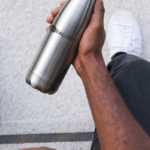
(60, 46)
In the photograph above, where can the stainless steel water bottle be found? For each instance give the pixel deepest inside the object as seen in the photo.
(60, 46)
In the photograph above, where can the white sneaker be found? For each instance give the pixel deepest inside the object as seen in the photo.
(124, 35)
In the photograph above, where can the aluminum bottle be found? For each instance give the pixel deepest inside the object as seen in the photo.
(60, 46)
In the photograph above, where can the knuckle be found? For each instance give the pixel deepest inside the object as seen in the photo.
(97, 27)
(101, 8)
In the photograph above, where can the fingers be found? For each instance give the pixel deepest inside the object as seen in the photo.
(55, 11)
(62, 3)
(98, 17)
(50, 19)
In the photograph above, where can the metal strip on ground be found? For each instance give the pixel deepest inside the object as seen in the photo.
(52, 137)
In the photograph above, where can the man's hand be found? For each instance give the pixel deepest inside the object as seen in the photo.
(93, 38)
(40, 148)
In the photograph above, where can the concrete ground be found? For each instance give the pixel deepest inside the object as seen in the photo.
(24, 110)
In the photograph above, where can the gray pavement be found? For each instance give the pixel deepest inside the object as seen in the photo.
(24, 110)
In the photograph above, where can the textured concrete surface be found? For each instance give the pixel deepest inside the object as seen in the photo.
(25, 110)
(58, 146)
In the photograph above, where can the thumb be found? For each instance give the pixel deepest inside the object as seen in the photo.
(98, 17)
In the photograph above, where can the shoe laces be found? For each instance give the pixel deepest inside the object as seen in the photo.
(124, 36)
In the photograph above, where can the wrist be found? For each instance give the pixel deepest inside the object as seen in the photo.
(91, 63)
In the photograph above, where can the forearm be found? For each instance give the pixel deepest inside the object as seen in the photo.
(116, 127)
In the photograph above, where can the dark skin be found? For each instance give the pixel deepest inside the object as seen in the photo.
(116, 127)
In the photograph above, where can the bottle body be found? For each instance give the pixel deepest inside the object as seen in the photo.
(60, 46)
